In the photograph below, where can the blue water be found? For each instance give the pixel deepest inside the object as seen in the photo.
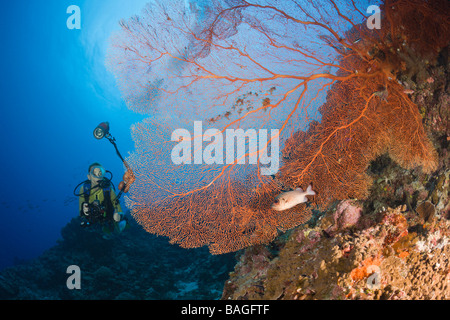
(55, 90)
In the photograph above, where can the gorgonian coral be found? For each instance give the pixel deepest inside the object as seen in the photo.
(262, 65)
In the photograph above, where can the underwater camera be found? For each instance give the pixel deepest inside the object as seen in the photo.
(93, 213)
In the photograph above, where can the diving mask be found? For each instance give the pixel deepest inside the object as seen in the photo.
(97, 172)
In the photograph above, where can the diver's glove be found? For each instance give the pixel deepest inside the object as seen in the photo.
(85, 208)
(117, 216)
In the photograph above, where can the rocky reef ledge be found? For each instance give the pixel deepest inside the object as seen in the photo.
(131, 266)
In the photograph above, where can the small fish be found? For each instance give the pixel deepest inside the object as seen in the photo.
(289, 199)
(408, 91)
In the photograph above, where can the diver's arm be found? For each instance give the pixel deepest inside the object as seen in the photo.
(116, 204)
(80, 201)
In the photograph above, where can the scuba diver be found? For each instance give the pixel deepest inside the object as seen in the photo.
(98, 202)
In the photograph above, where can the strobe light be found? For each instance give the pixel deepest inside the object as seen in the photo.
(101, 130)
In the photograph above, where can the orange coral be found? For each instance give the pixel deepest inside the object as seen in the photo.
(366, 269)
(356, 127)
(366, 113)
(227, 217)
(399, 228)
